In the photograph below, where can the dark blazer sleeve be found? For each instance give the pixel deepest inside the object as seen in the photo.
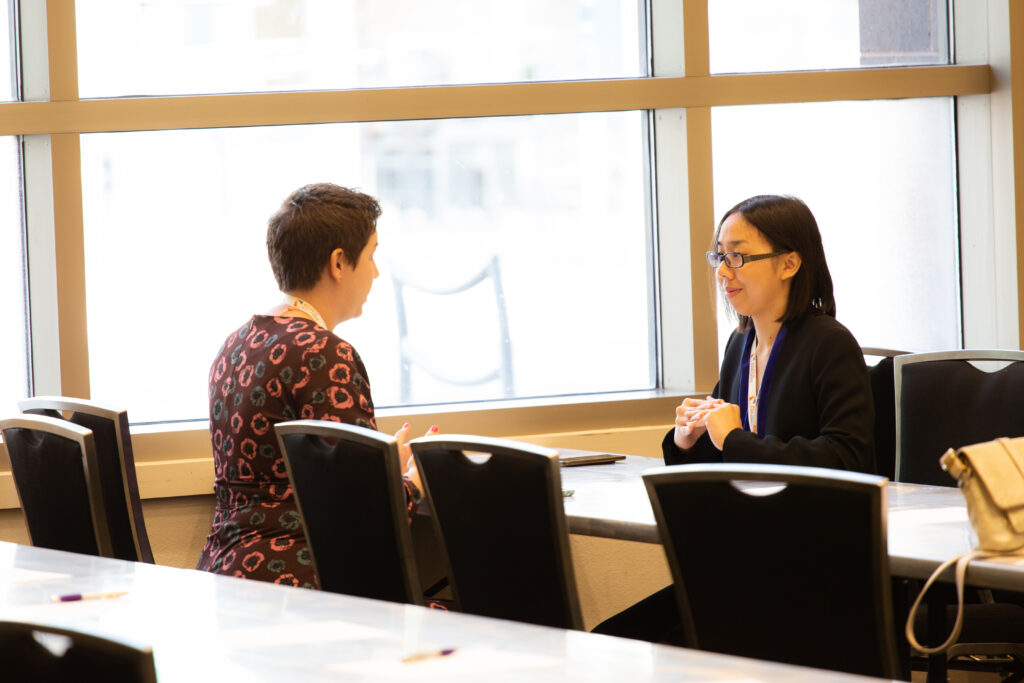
(820, 411)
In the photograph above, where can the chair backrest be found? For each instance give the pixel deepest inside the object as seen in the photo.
(414, 355)
(347, 483)
(796, 571)
(48, 654)
(944, 401)
(498, 510)
(116, 461)
(883, 392)
(57, 481)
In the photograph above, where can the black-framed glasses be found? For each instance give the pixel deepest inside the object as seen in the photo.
(734, 259)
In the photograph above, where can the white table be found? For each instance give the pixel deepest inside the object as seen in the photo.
(207, 627)
(926, 524)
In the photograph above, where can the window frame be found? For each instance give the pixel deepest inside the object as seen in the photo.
(175, 459)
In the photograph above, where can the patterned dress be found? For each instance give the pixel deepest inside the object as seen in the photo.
(270, 370)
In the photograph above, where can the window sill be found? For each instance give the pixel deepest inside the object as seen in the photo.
(175, 459)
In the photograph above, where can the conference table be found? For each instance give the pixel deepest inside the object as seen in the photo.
(205, 627)
(926, 524)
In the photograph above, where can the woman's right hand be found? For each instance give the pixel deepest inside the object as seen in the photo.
(690, 423)
(405, 454)
(405, 450)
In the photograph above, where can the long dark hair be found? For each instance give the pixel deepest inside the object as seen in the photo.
(789, 225)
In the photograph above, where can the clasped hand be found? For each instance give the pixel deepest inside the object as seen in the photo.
(695, 416)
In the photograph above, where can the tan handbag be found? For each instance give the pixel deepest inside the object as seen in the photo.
(991, 477)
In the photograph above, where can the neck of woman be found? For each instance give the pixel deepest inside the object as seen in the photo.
(312, 298)
(766, 330)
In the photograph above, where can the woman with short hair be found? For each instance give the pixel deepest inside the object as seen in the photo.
(288, 364)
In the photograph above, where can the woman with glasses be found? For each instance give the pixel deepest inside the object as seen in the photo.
(288, 364)
(793, 387)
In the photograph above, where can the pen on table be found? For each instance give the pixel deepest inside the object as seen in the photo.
(75, 597)
(428, 655)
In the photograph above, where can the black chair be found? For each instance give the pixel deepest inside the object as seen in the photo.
(883, 391)
(796, 572)
(55, 471)
(498, 509)
(943, 400)
(48, 654)
(116, 461)
(347, 483)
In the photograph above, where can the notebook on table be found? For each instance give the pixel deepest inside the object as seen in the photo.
(570, 457)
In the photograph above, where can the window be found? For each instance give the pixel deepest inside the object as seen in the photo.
(14, 370)
(553, 199)
(136, 47)
(879, 178)
(8, 61)
(796, 35)
(547, 212)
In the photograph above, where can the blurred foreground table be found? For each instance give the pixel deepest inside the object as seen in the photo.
(207, 627)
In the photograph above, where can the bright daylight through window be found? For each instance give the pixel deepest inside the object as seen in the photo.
(900, 152)
(14, 370)
(270, 45)
(515, 252)
(878, 175)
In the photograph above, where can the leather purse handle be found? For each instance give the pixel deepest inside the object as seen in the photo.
(961, 562)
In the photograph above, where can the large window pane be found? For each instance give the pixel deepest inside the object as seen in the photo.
(879, 178)
(550, 209)
(798, 35)
(160, 47)
(8, 79)
(14, 370)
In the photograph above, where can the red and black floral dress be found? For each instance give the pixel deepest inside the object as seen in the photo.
(270, 370)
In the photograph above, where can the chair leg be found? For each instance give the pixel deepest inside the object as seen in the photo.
(937, 669)
(439, 586)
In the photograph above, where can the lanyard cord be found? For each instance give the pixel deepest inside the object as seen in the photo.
(307, 308)
(752, 393)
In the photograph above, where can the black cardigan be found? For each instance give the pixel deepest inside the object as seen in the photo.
(818, 412)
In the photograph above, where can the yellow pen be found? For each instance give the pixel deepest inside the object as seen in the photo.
(428, 655)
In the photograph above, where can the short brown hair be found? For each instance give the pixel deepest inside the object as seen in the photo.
(312, 222)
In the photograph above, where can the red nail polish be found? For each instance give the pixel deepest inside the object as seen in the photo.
(405, 426)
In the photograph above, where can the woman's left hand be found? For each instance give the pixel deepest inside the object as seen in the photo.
(721, 421)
